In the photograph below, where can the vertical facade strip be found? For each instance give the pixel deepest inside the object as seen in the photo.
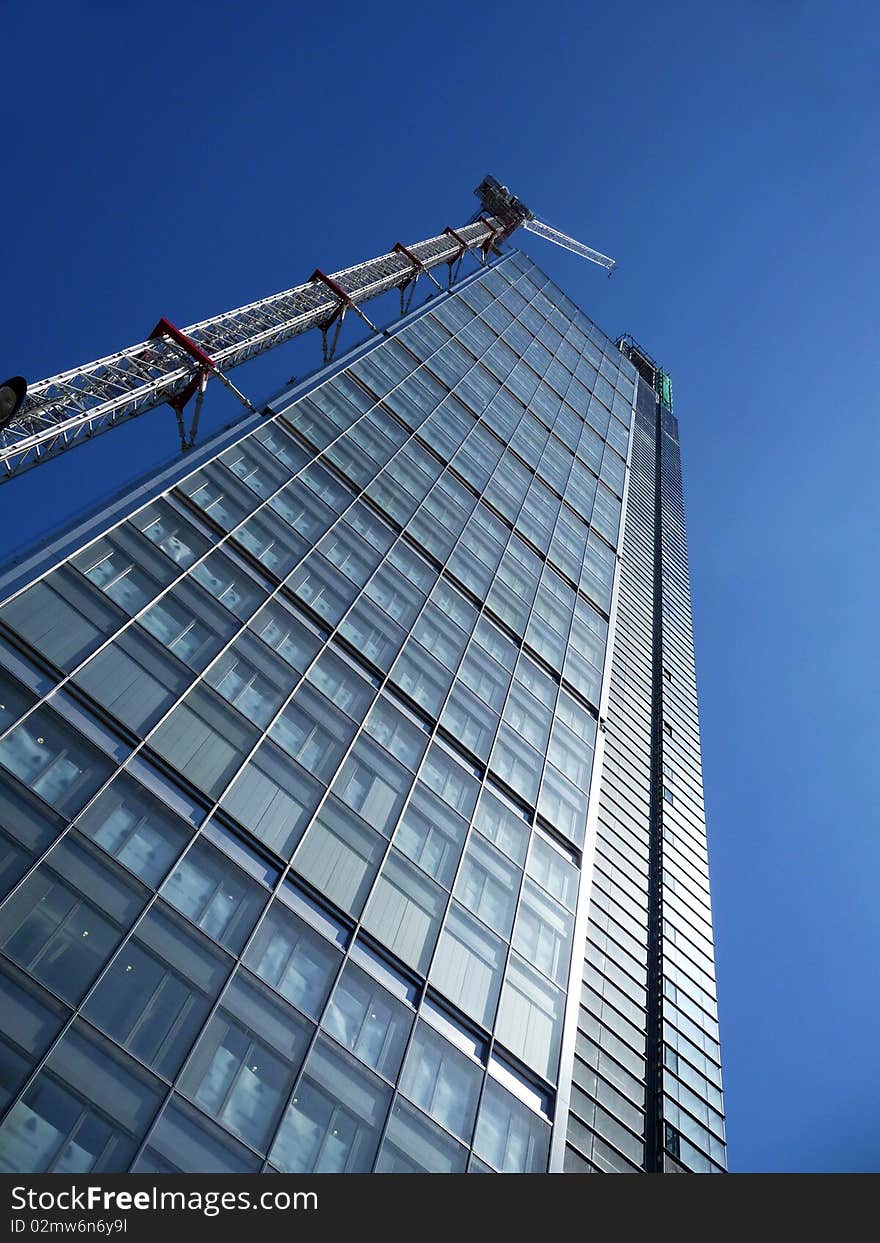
(646, 1087)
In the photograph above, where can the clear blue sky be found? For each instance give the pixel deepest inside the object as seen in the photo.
(182, 159)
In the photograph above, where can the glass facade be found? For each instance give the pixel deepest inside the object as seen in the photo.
(307, 864)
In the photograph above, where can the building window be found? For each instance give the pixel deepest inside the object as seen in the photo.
(67, 918)
(442, 1081)
(335, 1116)
(371, 1023)
(157, 993)
(244, 1065)
(86, 1111)
(54, 761)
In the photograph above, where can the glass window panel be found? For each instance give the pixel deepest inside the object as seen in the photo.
(583, 676)
(65, 920)
(272, 437)
(62, 616)
(216, 895)
(27, 828)
(553, 872)
(398, 598)
(468, 964)
(497, 645)
(286, 635)
(405, 910)
(350, 554)
(542, 687)
(136, 828)
(226, 581)
(564, 805)
(320, 586)
(273, 798)
(86, 1112)
(165, 527)
(440, 636)
(370, 527)
(373, 785)
(135, 679)
(452, 606)
(431, 834)
(126, 567)
(189, 624)
(185, 1142)
(442, 1081)
(530, 1017)
(53, 760)
(413, 1145)
(503, 826)
(313, 732)
(326, 486)
(530, 718)
(546, 641)
(423, 678)
(302, 510)
(205, 740)
(470, 721)
(516, 763)
(250, 678)
(31, 1021)
(543, 933)
(313, 423)
(254, 466)
(243, 1067)
(340, 856)
(373, 633)
(577, 719)
(509, 1136)
(342, 683)
(488, 885)
(369, 1021)
(398, 733)
(455, 785)
(158, 990)
(220, 495)
(335, 1117)
(296, 960)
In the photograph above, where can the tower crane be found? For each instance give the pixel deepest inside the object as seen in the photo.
(41, 421)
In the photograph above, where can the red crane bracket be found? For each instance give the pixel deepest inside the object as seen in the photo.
(498, 235)
(165, 328)
(419, 269)
(345, 304)
(344, 301)
(414, 259)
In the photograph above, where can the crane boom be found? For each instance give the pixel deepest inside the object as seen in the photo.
(540, 229)
(173, 365)
(64, 410)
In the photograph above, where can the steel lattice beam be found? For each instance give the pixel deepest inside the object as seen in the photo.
(64, 410)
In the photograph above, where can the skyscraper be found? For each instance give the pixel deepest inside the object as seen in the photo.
(351, 791)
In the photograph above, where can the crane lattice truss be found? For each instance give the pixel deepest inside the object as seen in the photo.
(568, 243)
(173, 365)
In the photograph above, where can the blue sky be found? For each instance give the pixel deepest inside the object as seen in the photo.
(182, 159)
